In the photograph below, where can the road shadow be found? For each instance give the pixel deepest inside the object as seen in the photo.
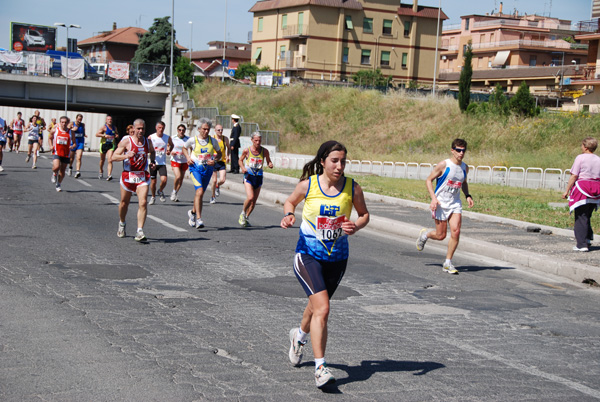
(472, 268)
(367, 368)
(248, 228)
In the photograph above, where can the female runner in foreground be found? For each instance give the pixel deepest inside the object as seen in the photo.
(322, 249)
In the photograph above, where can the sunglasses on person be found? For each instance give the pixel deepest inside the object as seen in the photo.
(460, 150)
(219, 130)
(181, 129)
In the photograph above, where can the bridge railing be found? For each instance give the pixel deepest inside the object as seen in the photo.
(41, 64)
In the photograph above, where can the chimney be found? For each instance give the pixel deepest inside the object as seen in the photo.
(501, 7)
(415, 6)
(114, 26)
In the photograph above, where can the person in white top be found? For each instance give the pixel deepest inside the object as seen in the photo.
(446, 206)
(33, 140)
(162, 144)
(178, 160)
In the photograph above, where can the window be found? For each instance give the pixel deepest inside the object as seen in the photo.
(345, 55)
(385, 58)
(300, 22)
(257, 55)
(492, 37)
(467, 23)
(480, 62)
(260, 24)
(365, 57)
(481, 38)
(368, 25)
(532, 60)
(387, 27)
(284, 21)
(349, 22)
(404, 60)
(282, 52)
(406, 28)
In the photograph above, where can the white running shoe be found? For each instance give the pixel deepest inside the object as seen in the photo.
(1, 169)
(100, 176)
(140, 236)
(152, 200)
(583, 249)
(58, 189)
(242, 220)
(296, 347)
(53, 179)
(449, 268)
(173, 196)
(199, 224)
(192, 221)
(69, 171)
(162, 196)
(420, 241)
(34, 167)
(109, 178)
(217, 191)
(78, 174)
(121, 231)
(323, 376)
(28, 158)
(213, 200)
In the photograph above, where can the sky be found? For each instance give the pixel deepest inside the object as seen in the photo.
(208, 16)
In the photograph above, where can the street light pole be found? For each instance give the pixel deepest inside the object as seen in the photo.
(437, 39)
(224, 45)
(171, 69)
(191, 38)
(62, 24)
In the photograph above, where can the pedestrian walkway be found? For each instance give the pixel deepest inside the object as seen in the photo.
(503, 239)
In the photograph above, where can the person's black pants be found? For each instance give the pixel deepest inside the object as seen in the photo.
(583, 225)
(235, 159)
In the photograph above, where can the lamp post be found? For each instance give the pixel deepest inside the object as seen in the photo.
(171, 69)
(224, 45)
(437, 39)
(62, 24)
(191, 38)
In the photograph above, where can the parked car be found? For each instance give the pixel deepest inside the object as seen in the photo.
(55, 68)
(34, 38)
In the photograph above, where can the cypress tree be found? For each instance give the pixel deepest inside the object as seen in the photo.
(464, 83)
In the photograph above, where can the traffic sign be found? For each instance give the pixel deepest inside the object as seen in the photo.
(231, 72)
(225, 63)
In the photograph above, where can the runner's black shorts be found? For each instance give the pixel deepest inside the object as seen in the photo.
(161, 169)
(316, 276)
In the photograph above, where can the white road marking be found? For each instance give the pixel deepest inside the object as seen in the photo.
(111, 198)
(526, 369)
(85, 183)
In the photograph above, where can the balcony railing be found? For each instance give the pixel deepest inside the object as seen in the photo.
(556, 44)
(451, 27)
(295, 30)
(546, 24)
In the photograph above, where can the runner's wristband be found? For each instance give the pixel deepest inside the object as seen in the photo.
(468, 195)
(288, 214)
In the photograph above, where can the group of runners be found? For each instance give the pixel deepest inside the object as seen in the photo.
(322, 250)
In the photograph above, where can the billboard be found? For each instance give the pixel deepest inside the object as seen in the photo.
(32, 38)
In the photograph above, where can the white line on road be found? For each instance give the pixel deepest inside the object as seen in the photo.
(85, 183)
(526, 369)
(154, 218)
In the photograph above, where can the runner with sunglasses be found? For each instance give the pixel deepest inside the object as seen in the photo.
(446, 206)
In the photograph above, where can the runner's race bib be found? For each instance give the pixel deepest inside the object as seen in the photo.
(62, 141)
(204, 158)
(137, 177)
(453, 187)
(328, 228)
(109, 140)
(255, 163)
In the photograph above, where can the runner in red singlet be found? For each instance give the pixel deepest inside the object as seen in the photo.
(17, 125)
(133, 151)
(61, 139)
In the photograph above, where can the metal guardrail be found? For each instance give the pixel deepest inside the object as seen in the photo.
(549, 178)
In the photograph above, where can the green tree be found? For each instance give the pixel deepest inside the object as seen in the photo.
(498, 101)
(184, 70)
(371, 78)
(155, 45)
(523, 102)
(464, 82)
(246, 70)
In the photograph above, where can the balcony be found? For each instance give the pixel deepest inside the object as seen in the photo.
(295, 31)
(294, 61)
(542, 24)
(519, 43)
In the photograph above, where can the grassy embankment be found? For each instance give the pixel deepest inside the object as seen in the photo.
(407, 129)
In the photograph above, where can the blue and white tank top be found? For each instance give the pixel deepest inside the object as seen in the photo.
(449, 184)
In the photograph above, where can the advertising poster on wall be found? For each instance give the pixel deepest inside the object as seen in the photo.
(31, 37)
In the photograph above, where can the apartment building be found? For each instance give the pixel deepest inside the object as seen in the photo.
(589, 78)
(333, 39)
(510, 48)
(117, 44)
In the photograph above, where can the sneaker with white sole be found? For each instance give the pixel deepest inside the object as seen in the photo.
(152, 201)
(162, 196)
(1, 168)
(58, 189)
(173, 196)
(217, 192)
(192, 216)
(28, 158)
(78, 174)
(296, 347)
(323, 376)
(34, 167)
(53, 178)
(213, 200)
(582, 249)
(420, 241)
(140, 236)
(242, 219)
(199, 224)
(109, 178)
(449, 268)
(99, 176)
(69, 171)
(121, 231)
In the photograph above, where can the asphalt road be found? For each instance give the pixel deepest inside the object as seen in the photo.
(205, 315)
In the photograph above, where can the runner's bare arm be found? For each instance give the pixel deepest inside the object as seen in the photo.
(122, 152)
(435, 173)
(289, 207)
(101, 132)
(268, 159)
(360, 206)
(241, 161)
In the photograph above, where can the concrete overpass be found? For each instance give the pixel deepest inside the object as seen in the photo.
(124, 101)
